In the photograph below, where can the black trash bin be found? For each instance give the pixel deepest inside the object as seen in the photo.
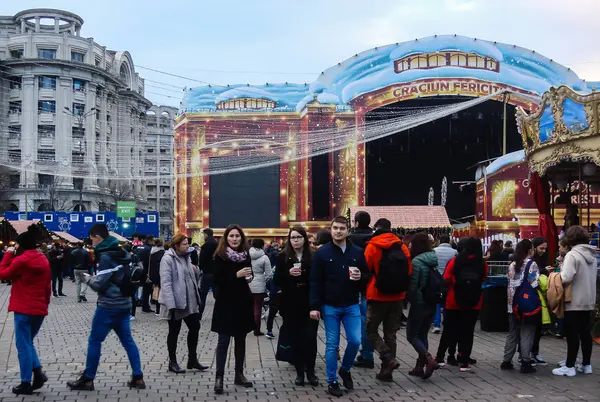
(493, 316)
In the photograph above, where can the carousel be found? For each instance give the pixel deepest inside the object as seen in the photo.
(562, 149)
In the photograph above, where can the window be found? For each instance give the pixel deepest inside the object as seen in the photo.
(89, 219)
(74, 218)
(14, 107)
(77, 158)
(16, 54)
(15, 180)
(97, 62)
(47, 53)
(48, 218)
(100, 218)
(78, 109)
(151, 218)
(47, 131)
(15, 82)
(46, 155)
(97, 114)
(47, 82)
(78, 133)
(78, 85)
(150, 150)
(46, 107)
(45, 179)
(14, 132)
(76, 56)
(77, 183)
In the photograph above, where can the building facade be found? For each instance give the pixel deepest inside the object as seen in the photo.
(72, 114)
(158, 165)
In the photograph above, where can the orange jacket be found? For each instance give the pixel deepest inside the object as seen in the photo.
(373, 256)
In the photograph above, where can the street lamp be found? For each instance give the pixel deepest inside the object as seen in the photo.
(80, 120)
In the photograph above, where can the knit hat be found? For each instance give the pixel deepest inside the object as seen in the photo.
(28, 239)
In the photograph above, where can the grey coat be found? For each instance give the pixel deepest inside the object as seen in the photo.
(172, 280)
(261, 269)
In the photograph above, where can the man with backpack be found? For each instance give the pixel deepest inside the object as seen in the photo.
(444, 253)
(80, 261)
(115, 282)
(389, 262)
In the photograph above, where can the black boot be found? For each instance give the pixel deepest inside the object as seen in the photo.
(81, 384)
(174, 367)
(299, 376)
(39, 378)
(240, 379)
(23, 388)
(137, 382)
(311, 377)
(193, 364)
(219, 385)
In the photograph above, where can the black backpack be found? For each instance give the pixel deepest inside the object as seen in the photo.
(434, 291)
(393, 277)
(467, 283)
(133, 273)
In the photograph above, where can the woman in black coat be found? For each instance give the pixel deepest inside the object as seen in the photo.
(292, 276)
(233, 314)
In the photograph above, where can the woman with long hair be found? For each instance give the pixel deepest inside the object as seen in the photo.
(420, 315)
(180, 301)
(540, 256)
(29, 271)
(464, 276)
(520, 332)
(261, 271)
(233, 314)
(292, 276)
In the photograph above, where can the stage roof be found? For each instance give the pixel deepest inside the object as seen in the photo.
(407, 217)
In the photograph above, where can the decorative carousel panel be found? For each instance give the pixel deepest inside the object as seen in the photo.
(574, 116)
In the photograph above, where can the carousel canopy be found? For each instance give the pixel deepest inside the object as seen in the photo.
(408, 217)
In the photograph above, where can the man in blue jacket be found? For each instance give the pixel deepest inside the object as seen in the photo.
(112, 312)
(339, 273)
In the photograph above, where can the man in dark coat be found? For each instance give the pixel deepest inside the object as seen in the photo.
(143, 253)
(206, 263)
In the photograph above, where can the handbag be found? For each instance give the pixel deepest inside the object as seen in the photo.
(527, 305)
(284, 344)
(155, 292)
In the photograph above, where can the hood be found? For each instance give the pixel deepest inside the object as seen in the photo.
(36, 261)
(585, 252)
(110, 243)
(156, 249)
(385, 240)
(256, 253)
(429, 258)
(173, 253)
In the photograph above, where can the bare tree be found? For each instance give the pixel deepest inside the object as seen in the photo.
(117, 190)
(5, 191)
(52, 193)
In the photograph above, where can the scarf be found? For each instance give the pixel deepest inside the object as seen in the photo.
(236, 256)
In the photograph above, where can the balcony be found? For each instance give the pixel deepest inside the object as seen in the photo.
(150, 168)
(165, 170)
(47, 94)
(46, 142)
(166, 195)
(46, 118)
(151, 195)
(15, 94)
(14, 117)
(98, 125)
(79, 96)
(14, 142)
(151, 182)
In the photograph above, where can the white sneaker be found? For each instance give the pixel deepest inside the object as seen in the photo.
(565, 371)
(131, 318)
(437, 330)
(585, 369)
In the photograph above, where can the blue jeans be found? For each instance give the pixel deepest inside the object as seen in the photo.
(333, 317)
(437, 318)
(104, 321)
(420, 317)
(26, 328)
(367, 347)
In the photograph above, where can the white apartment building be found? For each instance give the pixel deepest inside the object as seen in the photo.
(72, 115)
(158, 165)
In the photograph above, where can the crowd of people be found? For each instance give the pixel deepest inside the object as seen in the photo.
(363, 278)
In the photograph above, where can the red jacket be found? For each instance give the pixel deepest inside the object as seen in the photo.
(373, 254)
(450, 280)
(30, 275)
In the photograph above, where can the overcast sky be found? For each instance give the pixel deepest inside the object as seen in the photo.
(258, 41)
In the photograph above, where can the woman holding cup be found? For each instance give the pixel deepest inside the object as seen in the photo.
(292, 276)
(233, 312)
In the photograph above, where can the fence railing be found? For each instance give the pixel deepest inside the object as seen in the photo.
(498, 267)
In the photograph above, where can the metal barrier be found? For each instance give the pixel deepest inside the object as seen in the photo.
(498, 267)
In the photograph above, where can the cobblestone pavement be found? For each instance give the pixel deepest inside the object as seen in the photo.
(62, 346)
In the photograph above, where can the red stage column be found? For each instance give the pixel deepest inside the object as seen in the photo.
(182, 180)
(331, 173)
(361, 179)
(303, 172)
(283, 194)
(205, 179)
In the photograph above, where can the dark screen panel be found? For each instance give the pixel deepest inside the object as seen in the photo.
(320, 186)
(249, 198)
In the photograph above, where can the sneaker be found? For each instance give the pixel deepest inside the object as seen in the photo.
(436, 330)
(440, 361)
(334, 389)
(465, 368)
(539, 360)
(346, 379)
(270, 335)
(565, 371)
(507, 366)
(585, 369)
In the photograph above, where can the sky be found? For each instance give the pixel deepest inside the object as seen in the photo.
(258, 41)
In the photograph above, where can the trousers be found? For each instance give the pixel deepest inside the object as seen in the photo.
(388, 314)
(193, 323)
(239, 352)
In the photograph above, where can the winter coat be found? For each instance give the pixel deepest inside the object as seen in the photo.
(360, 237)
(579, 270)
(233, 313)
(261, 269)
(421, 264)
(557, 295)
(444, 253)
(542, 289)
(450, 278)
(80, 259)
(156, 255)
(31, 276)
(143, 253)
(373, 254)
(109, 257)
(206, 260)
(55, 262)
(330, 281)
(294, 300)
(173, 289)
